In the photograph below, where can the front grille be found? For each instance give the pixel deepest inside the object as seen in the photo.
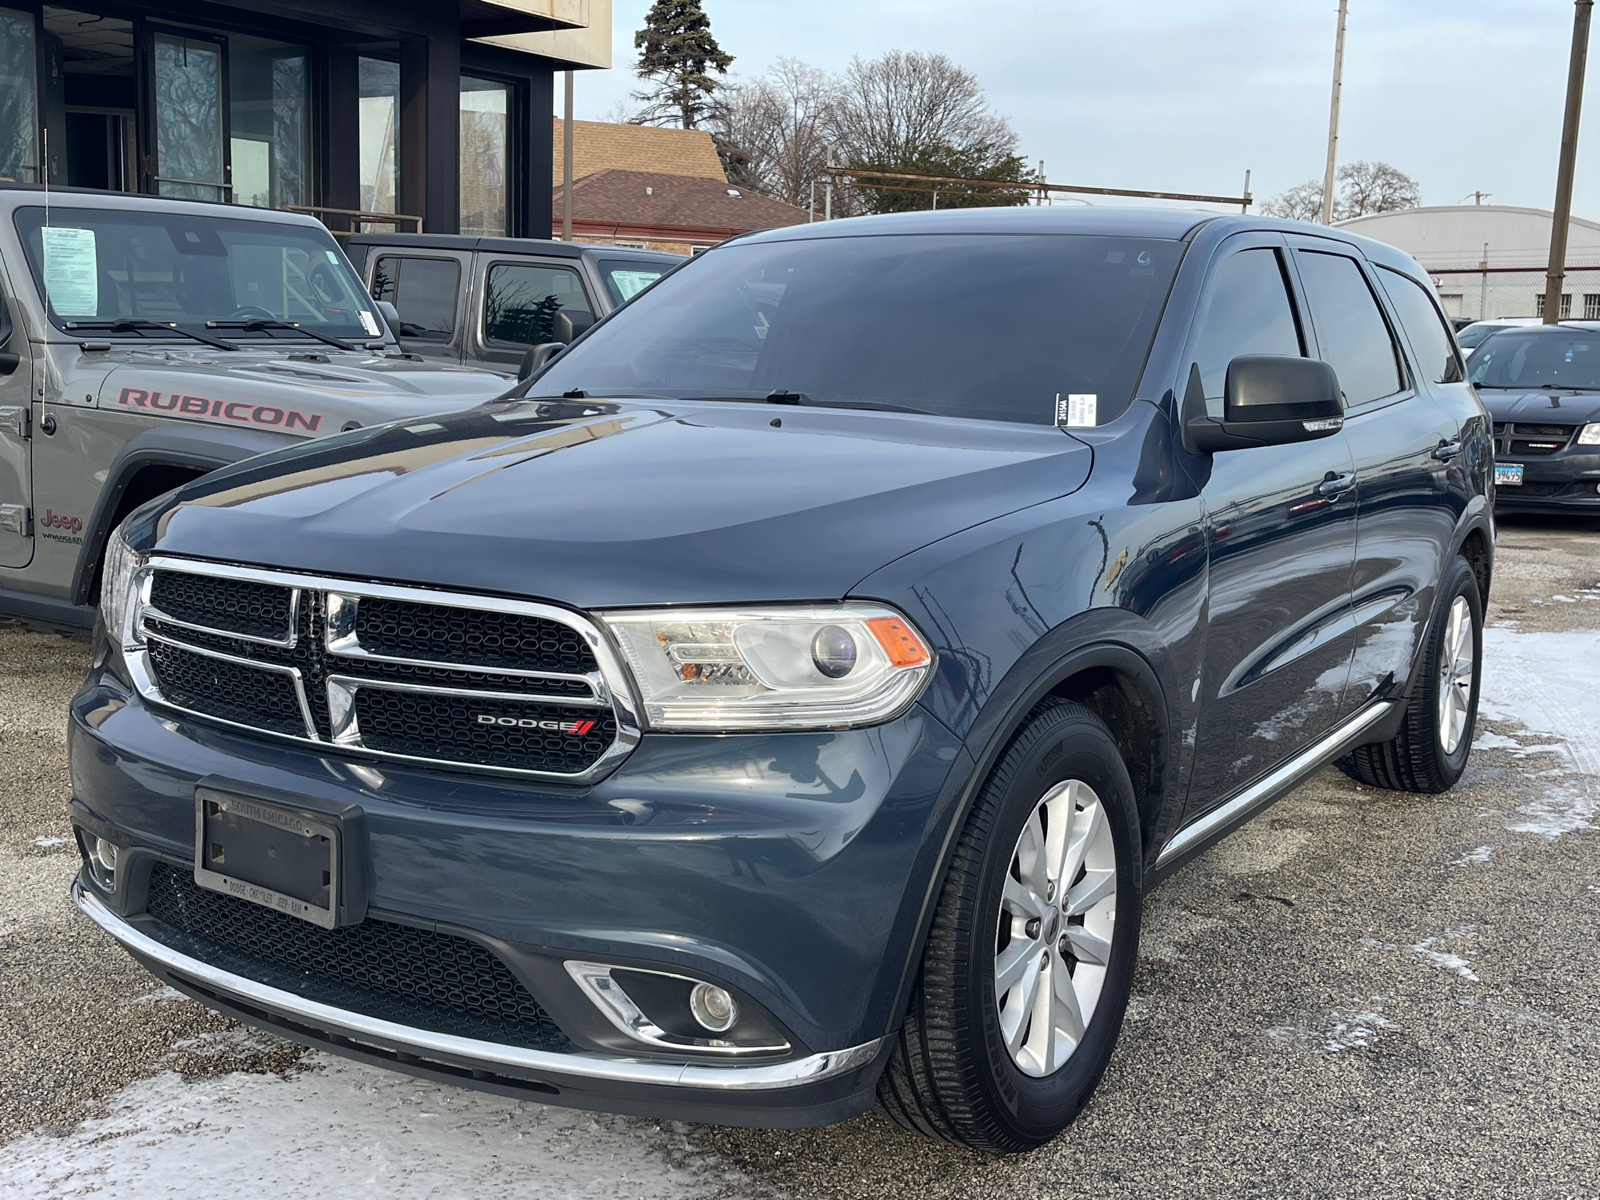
(226, 690)
(565, 725)
(1522, 438)
(418, 977)
(234, 605)
(449, 727)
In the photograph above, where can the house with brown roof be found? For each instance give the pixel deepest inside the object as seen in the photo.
(663, 188)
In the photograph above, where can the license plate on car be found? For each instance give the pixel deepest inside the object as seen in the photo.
(269, 854)
(1508, 474)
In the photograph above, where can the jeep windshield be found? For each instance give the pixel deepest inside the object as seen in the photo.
(1531, 359)
(96, 266)
(991, 326)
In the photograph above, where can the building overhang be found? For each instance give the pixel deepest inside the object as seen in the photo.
(496, 18)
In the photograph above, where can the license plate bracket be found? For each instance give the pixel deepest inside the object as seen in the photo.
(269, 853)
(1508, 474)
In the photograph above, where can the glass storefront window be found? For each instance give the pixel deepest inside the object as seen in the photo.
(188, 87)
(485, 155)
(269, 116)
(380, 135)
(19, 119)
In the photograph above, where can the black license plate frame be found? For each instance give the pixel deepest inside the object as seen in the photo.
(260, 833)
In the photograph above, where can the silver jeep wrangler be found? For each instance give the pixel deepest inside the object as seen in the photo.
(144, 342)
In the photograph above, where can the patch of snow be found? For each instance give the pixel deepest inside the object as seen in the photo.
(1490, 740)
(346, 1129)
(1565, 599)
(1560, 810)
(1340, 1030)
(1479, 854)
(1453, 963)
(162, 995)
(51, 842)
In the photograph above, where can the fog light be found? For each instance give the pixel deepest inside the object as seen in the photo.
(105, 853)
(713, 1008)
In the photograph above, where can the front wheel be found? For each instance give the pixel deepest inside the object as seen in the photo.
(1030, 960)
(1430, 751)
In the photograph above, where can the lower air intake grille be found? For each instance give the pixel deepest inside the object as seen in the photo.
(228, 690)
(394, 972)
(503, 733)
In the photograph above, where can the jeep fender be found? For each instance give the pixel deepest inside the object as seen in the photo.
(201, 448)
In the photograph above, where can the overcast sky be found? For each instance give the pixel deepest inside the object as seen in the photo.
(1184, 95)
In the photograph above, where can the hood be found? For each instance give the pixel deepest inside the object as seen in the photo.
(1548, 408)
(300, 391)
(610, 503)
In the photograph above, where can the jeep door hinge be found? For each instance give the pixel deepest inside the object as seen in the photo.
(17, 519)
(17, 419)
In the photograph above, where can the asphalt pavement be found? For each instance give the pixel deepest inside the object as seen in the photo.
(1361, 993)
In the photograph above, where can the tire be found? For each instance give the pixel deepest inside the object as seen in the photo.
(1423, 756)
(952, 1074)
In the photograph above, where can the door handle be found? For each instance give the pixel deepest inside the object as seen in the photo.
(1332, 484)
(1445, 451)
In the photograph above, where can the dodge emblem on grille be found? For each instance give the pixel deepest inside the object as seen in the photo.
(576, 728)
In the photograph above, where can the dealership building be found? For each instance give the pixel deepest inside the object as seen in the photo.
(421, 114)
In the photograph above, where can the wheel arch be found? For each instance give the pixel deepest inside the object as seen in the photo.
(149, 464)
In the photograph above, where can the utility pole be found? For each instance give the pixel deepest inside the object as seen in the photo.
(827, 190)
(566, 165)
(1557, 269)
(1333, 116)
(1244, 206)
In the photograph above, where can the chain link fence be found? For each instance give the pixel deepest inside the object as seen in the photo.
(1516, 292)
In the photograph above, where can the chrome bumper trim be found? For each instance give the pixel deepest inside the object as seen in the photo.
(1265, 789)
(708, 1077)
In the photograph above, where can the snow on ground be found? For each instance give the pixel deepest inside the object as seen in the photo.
(345, 1130)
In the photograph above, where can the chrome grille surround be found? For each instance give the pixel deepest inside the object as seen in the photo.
(334, 604)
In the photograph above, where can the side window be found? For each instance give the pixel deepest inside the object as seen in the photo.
(1250, 313)
(1425, 327)
(423, 290)
(1350, 327)
(521, 301)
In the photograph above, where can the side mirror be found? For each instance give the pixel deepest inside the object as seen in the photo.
(535, 357)
(570, 323)
(1271, 400)
(390, 314)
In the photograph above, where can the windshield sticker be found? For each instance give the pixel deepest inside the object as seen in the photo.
(1076, 410)
(229, 410)
(369, 323)
(71, 282)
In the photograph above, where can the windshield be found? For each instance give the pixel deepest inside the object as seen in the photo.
(1529, 358)
(626, 279)
(993, 326)
(1478, 332)
(98, 265)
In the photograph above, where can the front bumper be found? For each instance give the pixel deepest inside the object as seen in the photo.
(793, 869)
(1564, 482)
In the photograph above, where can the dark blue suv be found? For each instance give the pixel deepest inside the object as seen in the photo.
(782, 699)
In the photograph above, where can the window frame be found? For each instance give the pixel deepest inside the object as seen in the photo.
(463, 265)
(489, 351)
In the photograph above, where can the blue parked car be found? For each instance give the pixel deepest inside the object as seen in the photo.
(781, 701)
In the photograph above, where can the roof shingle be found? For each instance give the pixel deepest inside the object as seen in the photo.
(664, 200)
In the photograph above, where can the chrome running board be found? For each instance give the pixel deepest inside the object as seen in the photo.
(387, 1034)
(1273, 784)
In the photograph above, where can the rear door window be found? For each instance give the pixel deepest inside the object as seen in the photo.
(1425, 326)
(520, 302)
(1351, 331)
(1250, 312)
(423, 290)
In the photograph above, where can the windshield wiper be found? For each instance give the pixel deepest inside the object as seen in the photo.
(134, 324)
(800, 398)
(262, 325)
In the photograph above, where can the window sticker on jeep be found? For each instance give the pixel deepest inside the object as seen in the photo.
(71, 282)
(1076, 410)
(368, 322)
(229, 410)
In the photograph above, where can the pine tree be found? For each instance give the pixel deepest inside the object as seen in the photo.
(677, 52)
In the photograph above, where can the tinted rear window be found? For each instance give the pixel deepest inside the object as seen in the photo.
(990, 326)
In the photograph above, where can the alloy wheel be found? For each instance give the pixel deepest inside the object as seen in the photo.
(1057, 916)
(1455, 675)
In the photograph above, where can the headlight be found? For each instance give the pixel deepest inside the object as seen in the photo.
(119, 577)
(815, 666)
(1589, 435)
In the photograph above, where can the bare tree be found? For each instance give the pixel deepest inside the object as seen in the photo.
(1302, 202)
(772, 131)
(1374, 187)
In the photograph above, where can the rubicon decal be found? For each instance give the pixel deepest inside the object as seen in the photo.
(55, 520)
(242, 411)
(575, 728)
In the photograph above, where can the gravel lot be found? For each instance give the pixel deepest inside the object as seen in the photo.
(1359, 993)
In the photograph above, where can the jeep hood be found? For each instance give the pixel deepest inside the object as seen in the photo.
(613, 503)
(299, 391)
(1549, 408)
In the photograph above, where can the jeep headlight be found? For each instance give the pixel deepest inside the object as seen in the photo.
(813, 666)
(1589, 435)
(120, 577)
